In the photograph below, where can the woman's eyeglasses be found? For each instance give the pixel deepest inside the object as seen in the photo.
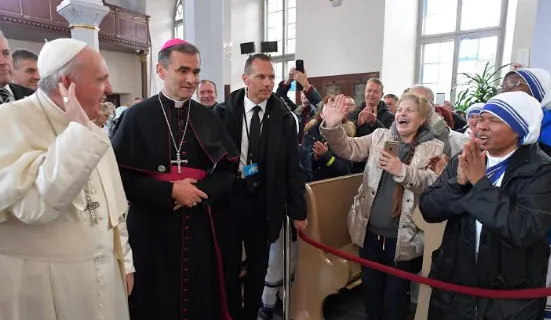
(510, 86)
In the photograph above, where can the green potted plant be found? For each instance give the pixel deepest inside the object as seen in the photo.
(480, 87)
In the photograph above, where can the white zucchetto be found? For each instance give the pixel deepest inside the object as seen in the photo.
(57, 53)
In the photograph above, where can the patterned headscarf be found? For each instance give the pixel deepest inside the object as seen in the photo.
(539, 82)
(520, 111)
(474, 109)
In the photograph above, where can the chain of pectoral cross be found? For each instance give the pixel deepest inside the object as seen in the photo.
(179, 161)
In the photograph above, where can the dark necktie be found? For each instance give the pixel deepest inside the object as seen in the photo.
(4, 95)
(254, 136)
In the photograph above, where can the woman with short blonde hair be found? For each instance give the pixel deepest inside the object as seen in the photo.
(380, 220)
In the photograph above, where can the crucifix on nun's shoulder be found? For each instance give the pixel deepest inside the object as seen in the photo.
(179, 161)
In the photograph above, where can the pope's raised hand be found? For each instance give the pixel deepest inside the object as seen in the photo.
(73, 109)
(335, 111)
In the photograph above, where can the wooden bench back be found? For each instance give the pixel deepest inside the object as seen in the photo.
(328, 204)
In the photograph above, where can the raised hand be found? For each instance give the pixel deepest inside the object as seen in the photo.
(73, 109)
(475, 162)
(320, 149)
(302, 79)
(291, 76)
(335, 111)
(292, 73)
(461, 177)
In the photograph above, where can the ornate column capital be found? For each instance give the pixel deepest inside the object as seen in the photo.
(83, 12)
(142, 54)
(84, 17)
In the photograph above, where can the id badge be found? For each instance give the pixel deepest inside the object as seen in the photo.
(250, 170)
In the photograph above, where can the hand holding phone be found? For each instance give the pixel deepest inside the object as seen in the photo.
(388, 159)
(391, 147)
(299, 66)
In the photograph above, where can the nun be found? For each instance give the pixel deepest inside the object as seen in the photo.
(537, 83)
(472, 114)
(494, 197)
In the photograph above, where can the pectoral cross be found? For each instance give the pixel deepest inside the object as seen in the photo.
(91, 206)
(179, 162)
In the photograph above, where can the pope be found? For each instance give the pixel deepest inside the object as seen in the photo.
(64, 250)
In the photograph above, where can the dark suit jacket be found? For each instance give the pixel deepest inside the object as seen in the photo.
(20, 92)
(281, 178)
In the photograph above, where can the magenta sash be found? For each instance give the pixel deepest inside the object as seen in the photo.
(173, 175)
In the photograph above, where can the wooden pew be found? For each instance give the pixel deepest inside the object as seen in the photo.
(433, 240)
(318, 274)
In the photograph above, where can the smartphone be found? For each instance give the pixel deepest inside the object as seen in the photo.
(440, 98)
(392, 147)
(299, 66)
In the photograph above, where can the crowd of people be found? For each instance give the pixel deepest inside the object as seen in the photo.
(146, 212)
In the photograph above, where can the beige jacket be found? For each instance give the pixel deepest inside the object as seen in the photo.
(415, 178)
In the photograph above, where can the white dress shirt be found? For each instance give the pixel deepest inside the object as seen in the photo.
(492, 161)
(249, 106)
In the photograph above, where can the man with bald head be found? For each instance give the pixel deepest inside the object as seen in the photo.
(9, 91)
(434, 120)
(64, 251)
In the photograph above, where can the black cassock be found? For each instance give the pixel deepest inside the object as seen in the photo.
(176, 254)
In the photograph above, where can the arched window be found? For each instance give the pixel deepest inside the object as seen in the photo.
(179, 20)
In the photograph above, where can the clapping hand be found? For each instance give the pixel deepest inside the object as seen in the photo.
(73, 109)
(438, 163)
(461, 178)
(473, 162)
(390, 163)
(335, 111)
(320, 149)
(367, 115)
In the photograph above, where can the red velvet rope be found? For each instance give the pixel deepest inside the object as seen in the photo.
(473, 291)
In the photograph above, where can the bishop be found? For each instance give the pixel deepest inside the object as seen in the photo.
(171, 224)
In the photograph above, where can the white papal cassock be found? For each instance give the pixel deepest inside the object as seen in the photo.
(55, 264)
